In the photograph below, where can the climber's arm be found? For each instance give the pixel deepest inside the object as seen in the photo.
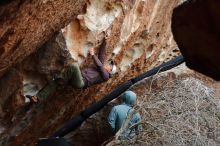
(99, 65)
(102, 51)
(112, 119)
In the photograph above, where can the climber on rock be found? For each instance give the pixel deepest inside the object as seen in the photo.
(72, 75)
(124, 112)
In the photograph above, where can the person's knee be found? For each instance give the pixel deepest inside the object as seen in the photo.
(73, 67)
(74, 70)
(80, 85)
(69, 71)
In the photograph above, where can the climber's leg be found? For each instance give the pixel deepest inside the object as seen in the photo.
(47, 90)
(74, 76)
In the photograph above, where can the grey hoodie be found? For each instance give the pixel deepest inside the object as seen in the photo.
(120, 112)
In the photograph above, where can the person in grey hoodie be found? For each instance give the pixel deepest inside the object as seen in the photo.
(72, 75)
(120, 113)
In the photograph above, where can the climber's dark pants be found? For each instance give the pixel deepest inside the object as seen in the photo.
(72, 76)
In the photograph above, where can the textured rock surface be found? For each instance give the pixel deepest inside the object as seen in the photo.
(198, 35)
(139, 37)
(10, 92)
(38, 68)
(26, 25)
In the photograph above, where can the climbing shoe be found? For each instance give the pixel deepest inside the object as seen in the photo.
(33, 99)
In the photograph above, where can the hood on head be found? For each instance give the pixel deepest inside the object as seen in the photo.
(129, 98)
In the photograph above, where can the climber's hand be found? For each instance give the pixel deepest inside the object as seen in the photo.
(91, 51)
(34, 99)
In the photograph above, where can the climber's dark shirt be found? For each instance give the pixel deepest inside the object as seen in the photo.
(96, 73)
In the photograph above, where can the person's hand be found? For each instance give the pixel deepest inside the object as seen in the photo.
(91, 51)
(34, 99)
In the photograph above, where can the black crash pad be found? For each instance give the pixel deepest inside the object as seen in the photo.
(52, 142)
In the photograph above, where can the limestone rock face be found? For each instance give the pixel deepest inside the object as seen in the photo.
(11, 91)
(26, 25)
(38, 68)
(138, 36)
